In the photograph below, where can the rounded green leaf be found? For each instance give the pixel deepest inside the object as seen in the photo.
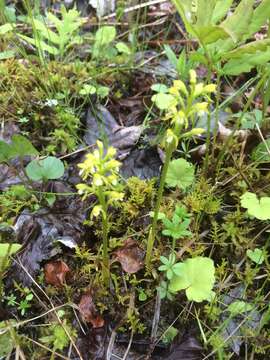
(163, 101)
(105, 35)
(47, 169)
(197, 278)
(256, 255)
(123, 48)
(180, 173)
(160, 88)
(259, 208)
(21, 146)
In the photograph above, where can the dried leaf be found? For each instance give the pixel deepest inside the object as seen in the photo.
(130, 256)
(56, 273)
(89, 312)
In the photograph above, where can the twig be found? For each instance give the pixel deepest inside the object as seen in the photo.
(156, 317)
(111, 345)
(129, 345)
(263, 139)
(135, 7)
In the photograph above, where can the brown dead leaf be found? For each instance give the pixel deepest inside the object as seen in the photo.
(89, 311)
(56, 272)
(130, 256)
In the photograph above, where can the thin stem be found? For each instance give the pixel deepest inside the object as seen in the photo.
(105, 255)
(153, 230)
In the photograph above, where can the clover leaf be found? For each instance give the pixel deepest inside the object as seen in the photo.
(256, 255)
(197, 279)
(45, 169)
(180, 173)
(259, 208)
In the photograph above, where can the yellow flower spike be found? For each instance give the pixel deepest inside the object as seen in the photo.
(193, 77)
(210, 88)
(179, 85)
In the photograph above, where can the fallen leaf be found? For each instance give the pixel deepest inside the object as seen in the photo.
(130, 256)
(188, 349)
(89, 312)
(56, 273)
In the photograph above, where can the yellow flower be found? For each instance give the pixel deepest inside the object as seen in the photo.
(179, 118)
(193, 76)
(97, 180)
(201, 108)
(194, 132)
(198, 89)
(178, 85)
(171, 138)
(111, 152)
(210, 88)
(97, 209)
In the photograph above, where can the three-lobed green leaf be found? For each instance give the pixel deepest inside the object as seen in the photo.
(180, 174)
(197, 279)
(259, 208)
(256, 255)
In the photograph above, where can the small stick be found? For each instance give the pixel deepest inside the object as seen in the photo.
(135, 7)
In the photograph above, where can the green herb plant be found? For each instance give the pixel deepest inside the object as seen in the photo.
(22, 305)
(181, 106)
(177, 227)
(226, 40)
(45, 169)
(53, 35)
(196, 276)
(103, 47)
(103, 170)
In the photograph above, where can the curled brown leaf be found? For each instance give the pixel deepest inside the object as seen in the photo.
(130, 256)
(56, 273)
(89, 311)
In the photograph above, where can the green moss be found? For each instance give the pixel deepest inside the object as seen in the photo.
(140, 194)
(202, 198)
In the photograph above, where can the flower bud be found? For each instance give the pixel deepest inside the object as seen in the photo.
(193, 77)
(210, 88)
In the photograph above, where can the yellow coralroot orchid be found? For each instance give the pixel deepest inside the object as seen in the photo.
(182, 105)
(102, 170)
